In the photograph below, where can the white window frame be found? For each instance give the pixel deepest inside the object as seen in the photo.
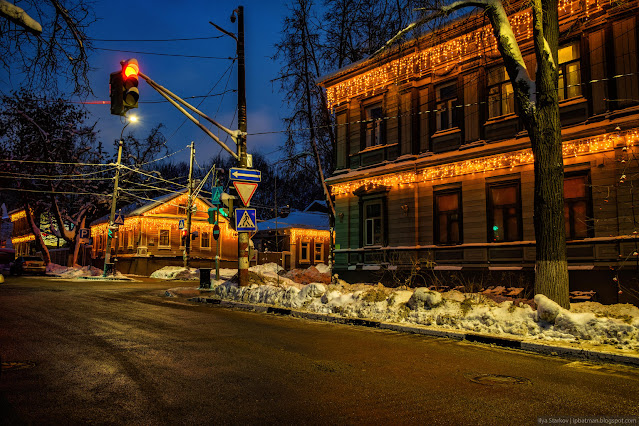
(208, 236)
(160, 246)
(319, 245)
(306, 259)
(131, 236)
(374, 125)
(369, 237)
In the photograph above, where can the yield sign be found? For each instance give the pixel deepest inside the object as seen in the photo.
(245, 190)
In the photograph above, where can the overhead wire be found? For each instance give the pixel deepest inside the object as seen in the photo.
(178, 55)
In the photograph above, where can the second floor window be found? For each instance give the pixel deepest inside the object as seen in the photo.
(181, 210)
(576, 206)
(447, 113)
(569, 71)
(374, 125)
(504, 212)
(501, 100)
(448, 217)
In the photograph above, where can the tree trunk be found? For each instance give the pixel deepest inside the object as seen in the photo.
(551, 277)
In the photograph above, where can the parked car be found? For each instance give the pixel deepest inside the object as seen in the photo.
(28, 265)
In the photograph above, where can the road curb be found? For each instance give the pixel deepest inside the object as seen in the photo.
(506, 342)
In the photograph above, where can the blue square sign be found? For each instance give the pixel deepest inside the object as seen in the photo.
(245, 220)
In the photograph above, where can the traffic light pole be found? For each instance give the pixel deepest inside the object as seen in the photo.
(189, 206)
(114, 199)
(243, 237)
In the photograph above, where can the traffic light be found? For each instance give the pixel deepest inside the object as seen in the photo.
(130, 70)
(184, 234)
(116, 92)
(194, 235)
(212, 211)
(229, 209)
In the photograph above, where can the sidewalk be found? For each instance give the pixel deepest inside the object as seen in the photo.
(586, 351)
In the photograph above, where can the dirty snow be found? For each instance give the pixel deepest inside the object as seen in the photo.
(592, 323)
(77, 271)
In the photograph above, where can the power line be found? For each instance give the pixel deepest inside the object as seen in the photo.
(155, 40)
(165, 54)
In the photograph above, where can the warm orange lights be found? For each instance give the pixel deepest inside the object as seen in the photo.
(309, 233)
(19, 215)
(23, 239)
(443, 55)
(485, 164)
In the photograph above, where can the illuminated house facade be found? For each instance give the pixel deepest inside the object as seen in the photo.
(433, 163)
(22, 237)
(151, 239)
(297, 241)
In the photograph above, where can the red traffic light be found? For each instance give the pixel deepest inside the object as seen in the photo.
(131, 68)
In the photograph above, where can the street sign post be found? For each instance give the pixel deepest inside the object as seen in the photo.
(217, 193)
(245, 220)
(118, 219)
(245, 190)
(245, 175)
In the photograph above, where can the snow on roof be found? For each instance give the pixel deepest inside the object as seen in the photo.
(317, 206)
(297, 219)
(138, 208)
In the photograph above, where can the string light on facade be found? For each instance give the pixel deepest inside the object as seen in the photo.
(23, 239)
(19, 215)
(510, 160)
(446, 54)
(309, 234)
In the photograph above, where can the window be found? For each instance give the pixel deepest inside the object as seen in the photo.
(446, 107)
(119, 239)
(130, 238)
(305, 251)
(569, 72)
(577, 203)
(319, 252)
(501, 100)
(205, 240)
(164, 240)
(374, 123)
(504, 212)
(448, 217)
(373, 223)
(181, 210)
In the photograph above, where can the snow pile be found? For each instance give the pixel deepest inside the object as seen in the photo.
(312, 274)
(176, 273)
(616, 325)
(77, 271)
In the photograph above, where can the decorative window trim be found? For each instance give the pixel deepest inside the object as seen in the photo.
(160, 245)
(208, 234)
(490, 208)
(321, 251)
(307, 259)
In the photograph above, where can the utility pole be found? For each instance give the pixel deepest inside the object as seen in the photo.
(243, 237)
(189, 206)
(114, 199)
(217, 240)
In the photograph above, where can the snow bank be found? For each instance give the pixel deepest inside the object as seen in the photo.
(616, 325)
(77, 271)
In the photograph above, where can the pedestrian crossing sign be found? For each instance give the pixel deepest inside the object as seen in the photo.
(245, 220)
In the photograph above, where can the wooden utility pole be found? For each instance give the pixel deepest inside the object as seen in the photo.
(243, 237)
(114, 200)
(189, 207)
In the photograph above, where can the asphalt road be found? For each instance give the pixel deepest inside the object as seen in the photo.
(114, 353)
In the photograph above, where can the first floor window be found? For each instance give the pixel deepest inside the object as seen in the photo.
(319, 252)
(576, 206)
(373, 223)
(448, 217)
(305, 249)
(130, 238)
(504, 212)
(164, 238)
(205, 240)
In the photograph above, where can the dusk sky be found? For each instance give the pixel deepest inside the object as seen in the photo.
(185, 76)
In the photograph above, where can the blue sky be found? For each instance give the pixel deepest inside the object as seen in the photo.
(136, 21)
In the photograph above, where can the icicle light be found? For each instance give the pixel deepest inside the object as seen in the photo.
(23, 239)
(479, 165)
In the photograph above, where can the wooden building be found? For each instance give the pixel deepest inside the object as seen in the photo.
(151, 239)
(297, 241)
(432, 162)
(23, 239)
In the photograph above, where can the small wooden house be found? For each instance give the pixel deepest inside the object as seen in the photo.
(297, 241)
(151, 237)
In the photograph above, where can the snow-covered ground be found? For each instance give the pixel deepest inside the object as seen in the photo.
(588, 322)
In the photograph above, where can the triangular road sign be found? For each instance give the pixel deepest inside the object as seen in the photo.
(245, 190)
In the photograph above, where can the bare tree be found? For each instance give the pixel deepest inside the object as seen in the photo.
(44, 40)
(537, 101)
